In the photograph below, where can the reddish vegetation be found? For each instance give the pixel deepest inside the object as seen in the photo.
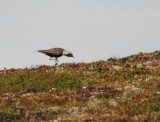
(115, 90)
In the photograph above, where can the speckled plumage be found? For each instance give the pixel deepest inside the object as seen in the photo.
(53, 52)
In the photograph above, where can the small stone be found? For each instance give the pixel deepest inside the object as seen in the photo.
(139, 65)
(147, 62)
(127, 94)
(53, 89)
(117, 67)
(27, 94)
(112, 102)
(93, 103)
(73, 110)
(83, 87)
(158, 92)
(119, 89)
(91, 98)
(53, 108)
(59, 119)
(7, 94)
(147, 80)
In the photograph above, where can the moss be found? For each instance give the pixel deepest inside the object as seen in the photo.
(9, 112)
(155, 106)
(40, 81)
(127, 65)
(78, 85)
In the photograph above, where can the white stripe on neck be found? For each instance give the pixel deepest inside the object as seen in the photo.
(65, 52)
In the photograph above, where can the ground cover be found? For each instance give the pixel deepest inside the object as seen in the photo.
(124, 89)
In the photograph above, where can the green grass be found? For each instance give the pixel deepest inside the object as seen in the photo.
(39, 81)
(115, 90)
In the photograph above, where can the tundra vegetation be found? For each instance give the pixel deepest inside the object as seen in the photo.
(118, 89)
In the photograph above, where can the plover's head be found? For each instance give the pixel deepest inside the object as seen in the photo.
(68, 53)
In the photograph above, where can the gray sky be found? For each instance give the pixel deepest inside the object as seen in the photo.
(92, 29)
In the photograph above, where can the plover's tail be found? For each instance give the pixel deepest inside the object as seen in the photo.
(42, 51)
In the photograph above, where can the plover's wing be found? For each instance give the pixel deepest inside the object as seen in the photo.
(56, 51)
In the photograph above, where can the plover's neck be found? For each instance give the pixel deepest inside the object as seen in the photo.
(65, 52)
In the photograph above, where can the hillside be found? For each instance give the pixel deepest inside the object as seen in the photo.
(117, 89)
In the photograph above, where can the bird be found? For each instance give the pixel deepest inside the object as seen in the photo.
(56, 53)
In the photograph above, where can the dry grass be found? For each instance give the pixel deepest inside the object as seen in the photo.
(126, 89)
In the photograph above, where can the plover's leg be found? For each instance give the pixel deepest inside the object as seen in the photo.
(51, 59)
(57, 59)
(56, 62)
(54, 59)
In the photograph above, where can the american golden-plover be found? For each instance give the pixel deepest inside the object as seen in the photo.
(56, 53)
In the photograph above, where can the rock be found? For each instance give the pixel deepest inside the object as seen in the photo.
(96, 94)
(147, 62)
(158, 92)
(53, 89)
(53, 108)
(147, 80)
(127, 94)
(112, 102)
(139, 65)
(132, 87)
(117, 67)
(73, 110)
(27, 94)
(129, 91)
(92, 97)
(93, 103)
(84, 87)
